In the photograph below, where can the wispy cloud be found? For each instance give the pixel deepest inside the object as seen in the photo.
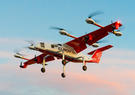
(103, 81)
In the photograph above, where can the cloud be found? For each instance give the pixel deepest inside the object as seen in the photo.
(103, 81)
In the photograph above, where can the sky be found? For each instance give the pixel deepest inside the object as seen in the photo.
(22, 20)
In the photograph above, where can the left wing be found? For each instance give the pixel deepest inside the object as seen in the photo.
(38, 59)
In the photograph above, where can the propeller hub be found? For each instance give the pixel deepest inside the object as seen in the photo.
(117, 33)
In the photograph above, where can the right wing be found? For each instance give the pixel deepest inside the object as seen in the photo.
(79, 44)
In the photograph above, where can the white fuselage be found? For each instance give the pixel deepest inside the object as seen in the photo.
(59, 49)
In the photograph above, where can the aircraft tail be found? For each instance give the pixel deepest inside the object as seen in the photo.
(98, 53)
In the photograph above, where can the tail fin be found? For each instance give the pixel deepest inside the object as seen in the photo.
(98, 53)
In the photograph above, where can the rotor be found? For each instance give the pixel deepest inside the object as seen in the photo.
(18, 54)
(116, 28)
(31, 42)
(63, 32)
(90, 19)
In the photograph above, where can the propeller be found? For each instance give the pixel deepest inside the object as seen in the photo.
(95, 13)
(18, 53)
(121, 28)
(61, 30)
(102, 41)
(96, 44)
(30, 42)
(57, 28)
(116, 30)
(90, 19)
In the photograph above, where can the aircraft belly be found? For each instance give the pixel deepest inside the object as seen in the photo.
(68, 56)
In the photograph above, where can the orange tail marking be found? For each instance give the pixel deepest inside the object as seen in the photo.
(96, 56)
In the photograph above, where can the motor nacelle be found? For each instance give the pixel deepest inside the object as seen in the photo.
(63, 32)
(32, 47)
(17, 56)
(90, 21)
(117, 33)
(95, 45)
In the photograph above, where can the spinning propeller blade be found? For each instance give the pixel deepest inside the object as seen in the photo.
(95, 13)
(18, 53)
(57, 28)
(30, 42)
(102, 41)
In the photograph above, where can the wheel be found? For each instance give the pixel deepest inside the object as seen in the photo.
(42, 70)
(84, 68)
(63, 75)
(64, 62)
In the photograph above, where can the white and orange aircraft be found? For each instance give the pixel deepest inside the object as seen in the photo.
(70, 51)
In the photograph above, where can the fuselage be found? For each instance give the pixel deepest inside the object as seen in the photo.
(58, 50)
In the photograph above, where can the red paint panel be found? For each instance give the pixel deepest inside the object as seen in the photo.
(96, 57)
(77, 44)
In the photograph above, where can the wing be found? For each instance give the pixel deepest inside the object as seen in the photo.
(38, 59)
(79, 44)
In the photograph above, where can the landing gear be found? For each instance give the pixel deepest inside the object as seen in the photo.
(84, 68)
(64, 62)
(84, 65)
(63, 75)
(43, 70)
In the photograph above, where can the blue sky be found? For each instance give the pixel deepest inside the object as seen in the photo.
(28, 19)
(22, 20)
